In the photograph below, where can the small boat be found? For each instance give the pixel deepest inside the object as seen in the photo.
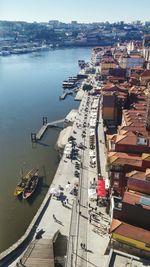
(22, 183)
(81, 63)
(31, 185)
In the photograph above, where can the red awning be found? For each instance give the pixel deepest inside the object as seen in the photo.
(101, 192)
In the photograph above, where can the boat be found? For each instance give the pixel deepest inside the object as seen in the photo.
(81, 63)
(31, 185)
(22, 183)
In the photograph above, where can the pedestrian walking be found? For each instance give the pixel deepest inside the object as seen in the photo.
(81, 245)
(67, 200)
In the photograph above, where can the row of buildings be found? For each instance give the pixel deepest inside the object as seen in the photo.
(22, 37)
(124, 73)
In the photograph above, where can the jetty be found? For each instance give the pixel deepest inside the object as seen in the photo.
(37, 136)
(63, 96)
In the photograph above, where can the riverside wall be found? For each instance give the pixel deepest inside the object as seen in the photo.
(17, 248)
(14, 251)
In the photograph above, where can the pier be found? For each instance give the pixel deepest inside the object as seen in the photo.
(63, 96)
(37, 136)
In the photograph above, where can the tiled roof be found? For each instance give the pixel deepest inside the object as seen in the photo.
(141, 129)
(146, 73)
(119, 158)
(130, 140)
(136, 174)
(130, 231)
(135, 198)
(146, 156)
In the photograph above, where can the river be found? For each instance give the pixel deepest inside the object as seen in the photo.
(30, 86)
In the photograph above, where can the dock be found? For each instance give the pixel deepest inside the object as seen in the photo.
(63, 96)
(37, 136)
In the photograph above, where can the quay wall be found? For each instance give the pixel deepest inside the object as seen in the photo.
(14, 251)
(17, 248)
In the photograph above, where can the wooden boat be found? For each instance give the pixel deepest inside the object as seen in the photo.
(22, 183)
(31, 185)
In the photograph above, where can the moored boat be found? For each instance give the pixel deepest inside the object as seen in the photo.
(23, 181)
(31, 185)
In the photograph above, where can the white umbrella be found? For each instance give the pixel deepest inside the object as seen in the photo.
(54, 191)
(92, 193)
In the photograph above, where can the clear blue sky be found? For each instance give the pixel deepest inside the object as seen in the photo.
(80, 10)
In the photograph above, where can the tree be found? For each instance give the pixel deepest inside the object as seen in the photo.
(87, 87)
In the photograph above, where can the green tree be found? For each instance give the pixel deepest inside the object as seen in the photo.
(87, 87)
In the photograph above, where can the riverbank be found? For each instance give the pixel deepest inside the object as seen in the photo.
(51, 206)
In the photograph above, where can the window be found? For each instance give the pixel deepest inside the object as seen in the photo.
(141, 141)
(116, 183)
(116, 175)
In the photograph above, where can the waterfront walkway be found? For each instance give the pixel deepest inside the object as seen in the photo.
(57, 216)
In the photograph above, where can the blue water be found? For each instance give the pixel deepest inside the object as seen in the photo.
(30, 86)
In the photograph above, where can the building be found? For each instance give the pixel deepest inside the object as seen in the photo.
(130, 236)
(133, 203)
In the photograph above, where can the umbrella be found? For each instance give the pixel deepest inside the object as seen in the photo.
(55, 191)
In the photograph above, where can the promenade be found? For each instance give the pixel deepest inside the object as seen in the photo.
(72, 220)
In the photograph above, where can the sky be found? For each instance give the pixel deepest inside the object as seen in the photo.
(80, 10)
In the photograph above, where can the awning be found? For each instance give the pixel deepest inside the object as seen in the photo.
(101, 192)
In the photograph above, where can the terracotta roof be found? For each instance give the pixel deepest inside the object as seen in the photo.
(146, 73)
(146, 156)
(114, 225)
(133, 132)
(114, 88)
(124, 155)
(147, 173)
(131, 140)
(141, 129)
(120, 138)
(130, 231)
(119, 158)
(136, 174)
(135, 198)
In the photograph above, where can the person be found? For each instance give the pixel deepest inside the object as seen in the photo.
(81, 245)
